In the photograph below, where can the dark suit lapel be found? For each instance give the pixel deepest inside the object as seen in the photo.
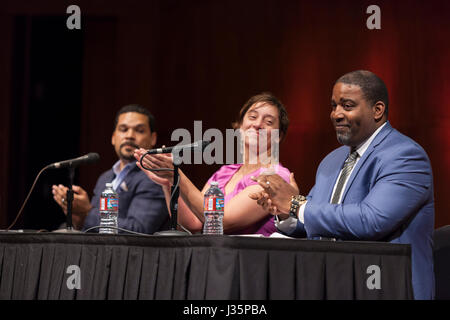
(378, 139)
(109, 177)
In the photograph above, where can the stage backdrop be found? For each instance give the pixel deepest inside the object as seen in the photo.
(201, 60)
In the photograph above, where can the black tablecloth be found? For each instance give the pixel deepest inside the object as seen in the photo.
(38, 266)
(441, 255)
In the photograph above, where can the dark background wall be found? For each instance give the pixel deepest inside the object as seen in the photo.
(201, 60)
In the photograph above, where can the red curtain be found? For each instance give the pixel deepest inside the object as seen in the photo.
(201, 60)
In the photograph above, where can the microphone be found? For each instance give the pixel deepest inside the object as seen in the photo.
(88, 158)
(200, 144)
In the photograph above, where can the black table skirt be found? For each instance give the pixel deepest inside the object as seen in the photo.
(36, 266)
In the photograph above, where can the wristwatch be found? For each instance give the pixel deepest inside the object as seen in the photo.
(296, 202)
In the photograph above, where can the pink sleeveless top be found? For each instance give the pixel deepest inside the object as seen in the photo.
(265, 226)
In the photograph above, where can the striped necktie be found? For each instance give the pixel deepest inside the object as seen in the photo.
(348, 166)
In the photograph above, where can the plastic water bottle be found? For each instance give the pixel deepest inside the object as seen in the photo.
(109, 210)
(213, 207)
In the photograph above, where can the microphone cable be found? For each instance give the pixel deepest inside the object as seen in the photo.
(116, 228)
(128, 231)
(28, 196)
(149, 169)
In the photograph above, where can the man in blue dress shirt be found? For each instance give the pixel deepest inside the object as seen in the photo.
(142, 206)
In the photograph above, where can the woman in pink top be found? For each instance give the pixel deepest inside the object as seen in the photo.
(260, 114)
(264, 226)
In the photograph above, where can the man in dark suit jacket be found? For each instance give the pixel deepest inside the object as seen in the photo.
(142, 206)
(378, 186)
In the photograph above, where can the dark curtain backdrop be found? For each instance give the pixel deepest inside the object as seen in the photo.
(201, 60)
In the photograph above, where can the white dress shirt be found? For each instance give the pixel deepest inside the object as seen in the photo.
(121, 174)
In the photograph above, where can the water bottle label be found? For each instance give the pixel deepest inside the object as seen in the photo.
(213, 204)
(109, 204)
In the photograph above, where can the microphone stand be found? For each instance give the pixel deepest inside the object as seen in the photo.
(69, 197)
(175, 192)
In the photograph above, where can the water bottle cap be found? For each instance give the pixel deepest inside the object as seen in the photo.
(109, 184)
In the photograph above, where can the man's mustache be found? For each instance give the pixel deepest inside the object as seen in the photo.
(129, 143)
